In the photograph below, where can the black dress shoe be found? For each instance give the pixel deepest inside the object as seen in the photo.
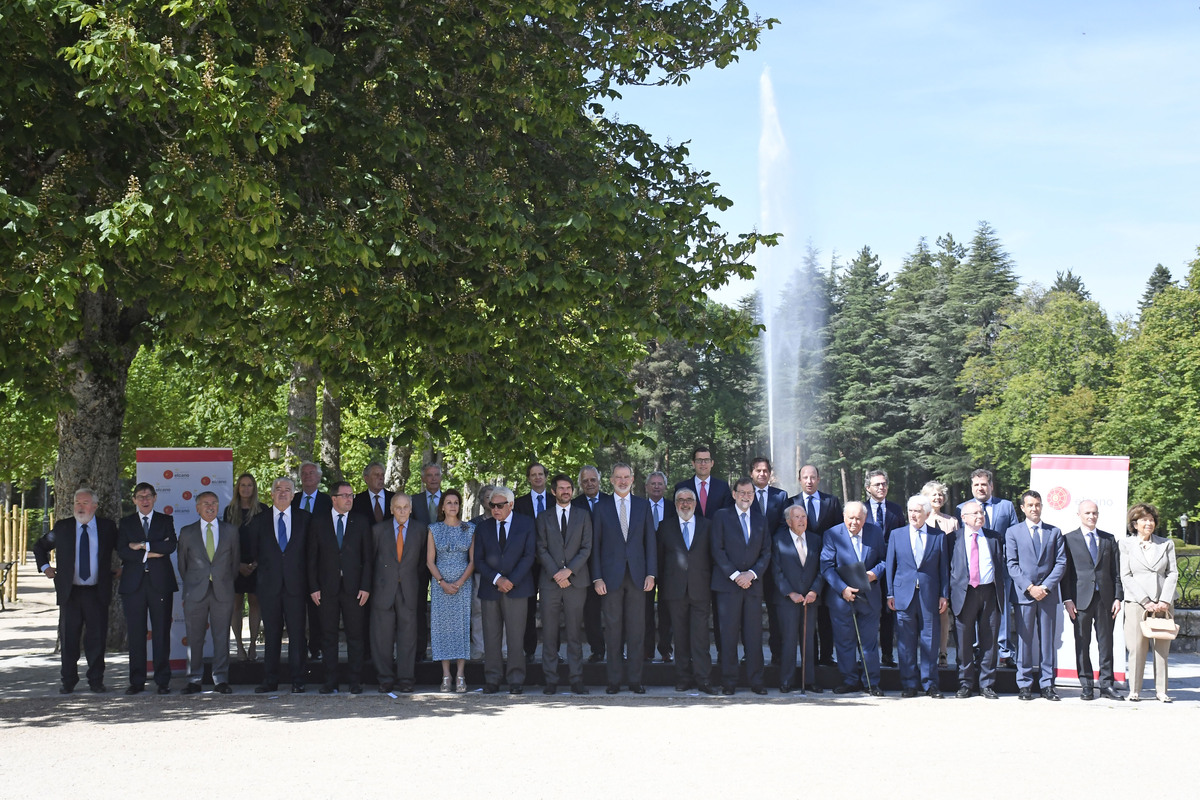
(595, 658)
(1110, 693)
(845, 688)
(637, 688)
(385, 687)
(406, 687)
(989, 693)
(666, 659)
(225, 688)
(263, 688)
(935, 693)
(98, 688)
(963, 693)
(356, 688)
(909, 692)
(551, 688)
(579, 688)
(1087, 694)
(785, 688)
(683, 686)
(1050, 694)
(888, 661)
(135, 690)
(875, 691)
(164, 690)
(66, 689)
(561, 660)
(297, 688)
(490, 688)
(812, 687)
(1025, 694)
(758, 689)
(1008, 663)
(610, 689)
(707, 688)
(516, 688)
(327, 689)
(192, 688)
(727, 691)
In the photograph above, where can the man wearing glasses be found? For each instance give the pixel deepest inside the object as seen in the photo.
(505, 546)
(712, 494)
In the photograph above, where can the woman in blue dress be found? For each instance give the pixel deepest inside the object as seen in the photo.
(451, 563)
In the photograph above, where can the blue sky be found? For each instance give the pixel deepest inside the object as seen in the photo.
(1072, 127)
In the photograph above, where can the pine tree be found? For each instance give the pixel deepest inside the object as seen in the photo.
(1160, 279)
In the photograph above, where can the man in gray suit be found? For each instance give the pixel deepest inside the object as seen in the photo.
(209, 556)
(399, 553)
(564, 544)
(1037, 561)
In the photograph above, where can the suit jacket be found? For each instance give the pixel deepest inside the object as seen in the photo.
(525, 504)
(364, 507)
(581, 501)
(322, 504)
(960, 567)
(839, 562)
(776, 500)
(198, 572)
(61, 541)
(719, 494)
(420, 506)
(930, 579)
(668, 511)
(1082, 577)
(514, 561)
(332, 570)
(790, 574)
(1003, 514)
(162, 540)
(1028, 567)
(893, 514)
(557, 549)
(612, 554)
(828, 514)
(732, 553)
(684, 572)
(280, 571)
(388, 572)
(1150, 575)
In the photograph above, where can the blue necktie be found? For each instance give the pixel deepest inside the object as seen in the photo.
(85, 554)
(687, 535)
(812, 512)
(746, 528)
(341, 529)
(1092, 547)
(657, 515)
(879, 517)
(282, 535)
(541, 504)
(146, 527)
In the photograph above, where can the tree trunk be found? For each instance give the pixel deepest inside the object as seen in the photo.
(96, 367)
(399, 465)
(331, 435)
(301, 414)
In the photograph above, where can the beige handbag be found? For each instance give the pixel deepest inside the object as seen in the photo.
(1159, 627)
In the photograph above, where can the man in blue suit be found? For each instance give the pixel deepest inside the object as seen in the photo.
(505, 547)
(918, 581)
(624, 563)
(887, 516)
(712, 493)
(768, 503)
(1037, 561)
(852, 563)
(998, 515)
(741, 552)
(796, 565)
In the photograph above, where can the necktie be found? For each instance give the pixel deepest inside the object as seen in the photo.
(85, 554)
(378, 510)
(857, 546)
(503, 538)
(625, 518)
(746, 526)
(432, 506)
(282, 534)
(1037, 539)
(657, 514)
(687, 535)
(762, 501)
(704, 497)
(399, 543)
(811, 510)
(987, 513)
(919, 548)
(210, 543)
(879, 516)
(541, 505)
(1092, 547)
(341, 529)
(803, 550)
(146, 527)
(592, 503)
(973, 560)
(562, 528)
(308, 503)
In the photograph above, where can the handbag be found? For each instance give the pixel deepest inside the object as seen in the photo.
(1159, 627)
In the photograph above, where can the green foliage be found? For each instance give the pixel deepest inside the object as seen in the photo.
(1159, 279)
(27, 441)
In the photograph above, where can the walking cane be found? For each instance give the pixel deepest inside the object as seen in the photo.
(804, 651)
(861, 654)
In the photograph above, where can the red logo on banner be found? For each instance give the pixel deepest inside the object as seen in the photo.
(168, 509)
(168, 474)
(187, 495)
(1058, 498)
(205, 481)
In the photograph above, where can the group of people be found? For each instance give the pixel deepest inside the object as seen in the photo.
(863, 582)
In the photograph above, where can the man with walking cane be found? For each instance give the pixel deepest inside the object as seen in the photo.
(852, 561)
(796, 564)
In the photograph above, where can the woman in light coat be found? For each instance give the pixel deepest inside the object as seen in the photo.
(1149, 577)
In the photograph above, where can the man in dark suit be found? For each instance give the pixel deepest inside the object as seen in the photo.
(685, 586)
(1092, 594)
(852, 563)
(998, 515)
(713, 493)
(532, 504)
(83, 548)
(280, 540)
(658, 620)
(977, 569)
(400, 544)
(425, 509)
(341, 558)
(796, 563)
(823, 511)
(768, 503)
(564, 544)
(374, 503)
(209, 556)
(1037, 562)
(593, 623)
(145, 541)
(918, 582)
(623, 565)
(310, 498)
(505, 548)
(887, 516)
(741, 553)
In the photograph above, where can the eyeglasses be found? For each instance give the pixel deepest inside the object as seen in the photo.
(702, 460)
(344, 494)
(498, 505)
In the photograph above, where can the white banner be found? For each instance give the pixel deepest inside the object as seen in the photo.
(1063, 482)
(178, 474)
